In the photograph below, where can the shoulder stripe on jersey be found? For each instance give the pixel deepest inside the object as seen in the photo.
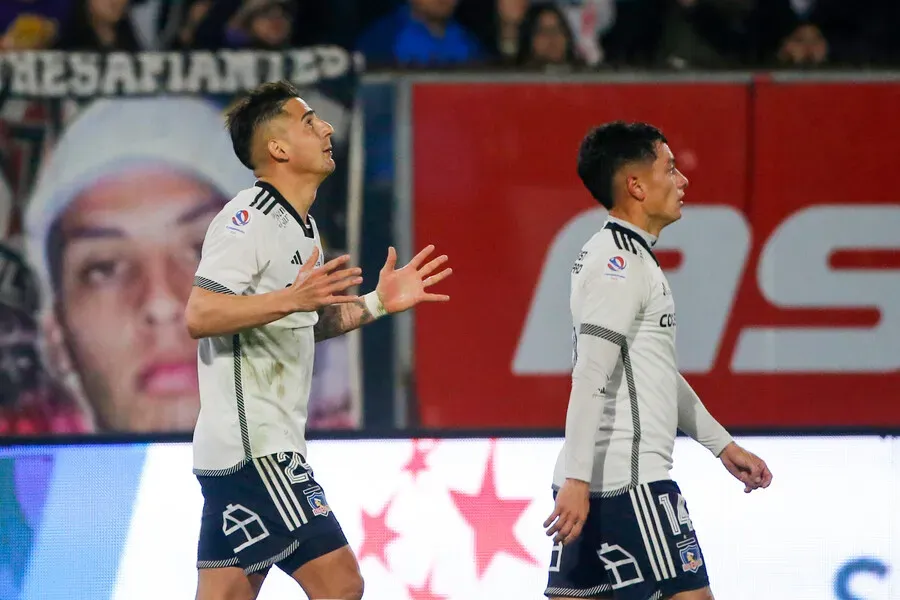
(239, 394)
(259, 198)
(623, 242)
(626, 238)
(615, 237)
(277, 198)
(620, 340)
(266, 204)
(212, 286)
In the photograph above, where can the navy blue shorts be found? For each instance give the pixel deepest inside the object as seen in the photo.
(639, 545)
(270, 511)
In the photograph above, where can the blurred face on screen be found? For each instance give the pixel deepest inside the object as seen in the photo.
(130, 245)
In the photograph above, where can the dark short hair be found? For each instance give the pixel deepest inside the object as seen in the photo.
(254, 110)
(609, 147)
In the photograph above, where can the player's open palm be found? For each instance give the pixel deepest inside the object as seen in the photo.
(316, 287)
(570, 512)
(401, 289)
(746, 467)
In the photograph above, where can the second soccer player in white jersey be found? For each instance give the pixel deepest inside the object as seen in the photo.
(262, 298)
(621, 525)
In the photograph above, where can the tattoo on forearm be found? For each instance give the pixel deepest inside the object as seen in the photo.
(338, 319)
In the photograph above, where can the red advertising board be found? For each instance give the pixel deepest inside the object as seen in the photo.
(785, 309)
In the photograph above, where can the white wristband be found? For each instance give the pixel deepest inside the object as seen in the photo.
(374, 305)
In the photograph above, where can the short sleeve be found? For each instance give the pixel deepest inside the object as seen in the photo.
(230, 258)
(613, 291)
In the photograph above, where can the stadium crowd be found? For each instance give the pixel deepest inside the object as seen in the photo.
(532, 34)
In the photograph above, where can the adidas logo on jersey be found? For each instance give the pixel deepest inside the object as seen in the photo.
(296, 260)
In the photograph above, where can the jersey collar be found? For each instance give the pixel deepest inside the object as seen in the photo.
(648, 238)
(265, 185)
(636, 233)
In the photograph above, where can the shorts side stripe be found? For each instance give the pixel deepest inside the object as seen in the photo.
(651, 532)
(292, 498)
(273, 495)
(640, 522)
(659, 528)
(276, 484)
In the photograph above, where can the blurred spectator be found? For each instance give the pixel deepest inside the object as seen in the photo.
(194, 14)
(424, 33)
(844, 33)
(31, 24)
(258, 24)
(698, 33)
(495, 23)
(546, 40)
(805, 45)
(589, 19)
(99, 25)
(262, 24)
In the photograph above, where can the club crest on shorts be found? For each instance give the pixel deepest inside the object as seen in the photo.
(690, 557)
(316, 498)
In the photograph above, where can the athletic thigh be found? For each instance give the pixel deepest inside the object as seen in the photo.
(228, 583)
(334, 575)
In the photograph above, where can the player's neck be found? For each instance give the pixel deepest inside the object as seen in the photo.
(299, 191)
(639, 220)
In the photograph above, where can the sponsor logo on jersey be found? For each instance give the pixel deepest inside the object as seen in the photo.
(667, 320)
(295, 259)
(690, 558)
(241, 218)
(615, 267)
(316, 498)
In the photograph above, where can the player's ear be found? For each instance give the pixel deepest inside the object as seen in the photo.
(277, 150)
(635, 187)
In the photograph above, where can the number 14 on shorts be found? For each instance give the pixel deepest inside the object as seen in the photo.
(679, 518)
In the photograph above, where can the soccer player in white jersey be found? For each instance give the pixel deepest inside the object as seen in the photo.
(261, 299)
(621, 526)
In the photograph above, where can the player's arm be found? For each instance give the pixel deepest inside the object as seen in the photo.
(611, 301)
(398, 290)
(695, 420)
(610, 306)
(232, 258)
(338, 319)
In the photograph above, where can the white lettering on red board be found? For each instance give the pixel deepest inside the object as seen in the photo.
(793, 272)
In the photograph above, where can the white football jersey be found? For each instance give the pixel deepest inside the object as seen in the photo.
(619, 293)
(254, 386)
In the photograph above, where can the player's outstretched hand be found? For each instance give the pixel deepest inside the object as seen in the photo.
(401, 289)
(570, 513)
(316, 287)
(746, 467)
